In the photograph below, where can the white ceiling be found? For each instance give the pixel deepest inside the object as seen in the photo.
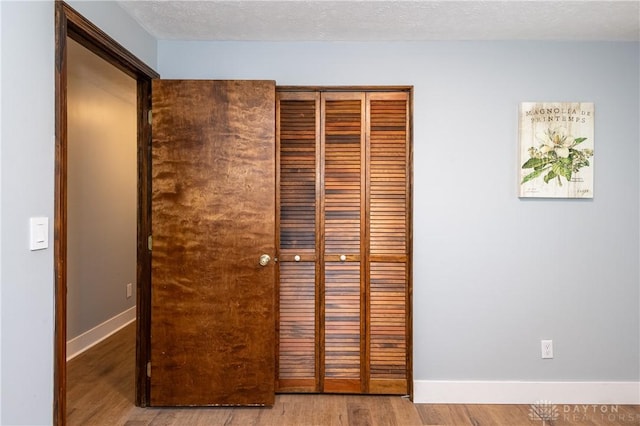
(378, 20)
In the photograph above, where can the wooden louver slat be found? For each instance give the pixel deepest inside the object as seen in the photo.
(387, 320)
(297, 174)
(388, 171)
(342, 176)
(297, 321)
(342, 320)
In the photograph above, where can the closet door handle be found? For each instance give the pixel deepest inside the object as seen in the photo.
(296, 258)
(265, 259)
(343, 258)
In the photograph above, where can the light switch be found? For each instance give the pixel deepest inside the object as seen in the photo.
(39, 233)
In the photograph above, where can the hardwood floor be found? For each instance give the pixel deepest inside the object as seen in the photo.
(100, 392)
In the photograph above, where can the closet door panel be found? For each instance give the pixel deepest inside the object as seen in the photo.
(388, 242)
(343, 166)
(297, 138)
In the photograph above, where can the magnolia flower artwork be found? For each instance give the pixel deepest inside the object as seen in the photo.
(556, 149)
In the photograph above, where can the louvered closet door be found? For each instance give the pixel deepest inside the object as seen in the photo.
(345, 269)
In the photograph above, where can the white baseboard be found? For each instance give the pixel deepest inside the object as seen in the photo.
(97, 334)
(490, 392)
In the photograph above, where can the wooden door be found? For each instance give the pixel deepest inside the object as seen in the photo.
(345, 242)
(213, 216)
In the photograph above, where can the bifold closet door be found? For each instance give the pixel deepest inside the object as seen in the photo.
(344, 284)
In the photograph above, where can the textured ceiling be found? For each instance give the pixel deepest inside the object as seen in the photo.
(387, 20)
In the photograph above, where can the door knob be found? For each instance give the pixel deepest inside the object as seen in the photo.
(264, 259)
(343, 258)
(296, 258)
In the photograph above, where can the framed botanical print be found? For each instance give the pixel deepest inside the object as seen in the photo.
(556, 149)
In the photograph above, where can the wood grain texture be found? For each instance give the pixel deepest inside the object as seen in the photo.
(213, 215)
(101, 394)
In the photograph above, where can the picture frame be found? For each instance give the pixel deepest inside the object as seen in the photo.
(556, 150)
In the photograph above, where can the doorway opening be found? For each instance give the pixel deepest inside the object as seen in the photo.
(70, 24)
(101, 209)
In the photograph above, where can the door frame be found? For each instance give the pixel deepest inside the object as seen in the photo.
(69, 23)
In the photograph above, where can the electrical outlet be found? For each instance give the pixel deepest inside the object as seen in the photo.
(547, 349)
(129, 290)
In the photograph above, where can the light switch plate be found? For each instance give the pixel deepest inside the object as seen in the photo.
(39, 233)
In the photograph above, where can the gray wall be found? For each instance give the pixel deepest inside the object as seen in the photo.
(27, 171)
(494, 274)
(27, 191)
(102, 183)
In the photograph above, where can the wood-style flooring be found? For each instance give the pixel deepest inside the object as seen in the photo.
(100, 392)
